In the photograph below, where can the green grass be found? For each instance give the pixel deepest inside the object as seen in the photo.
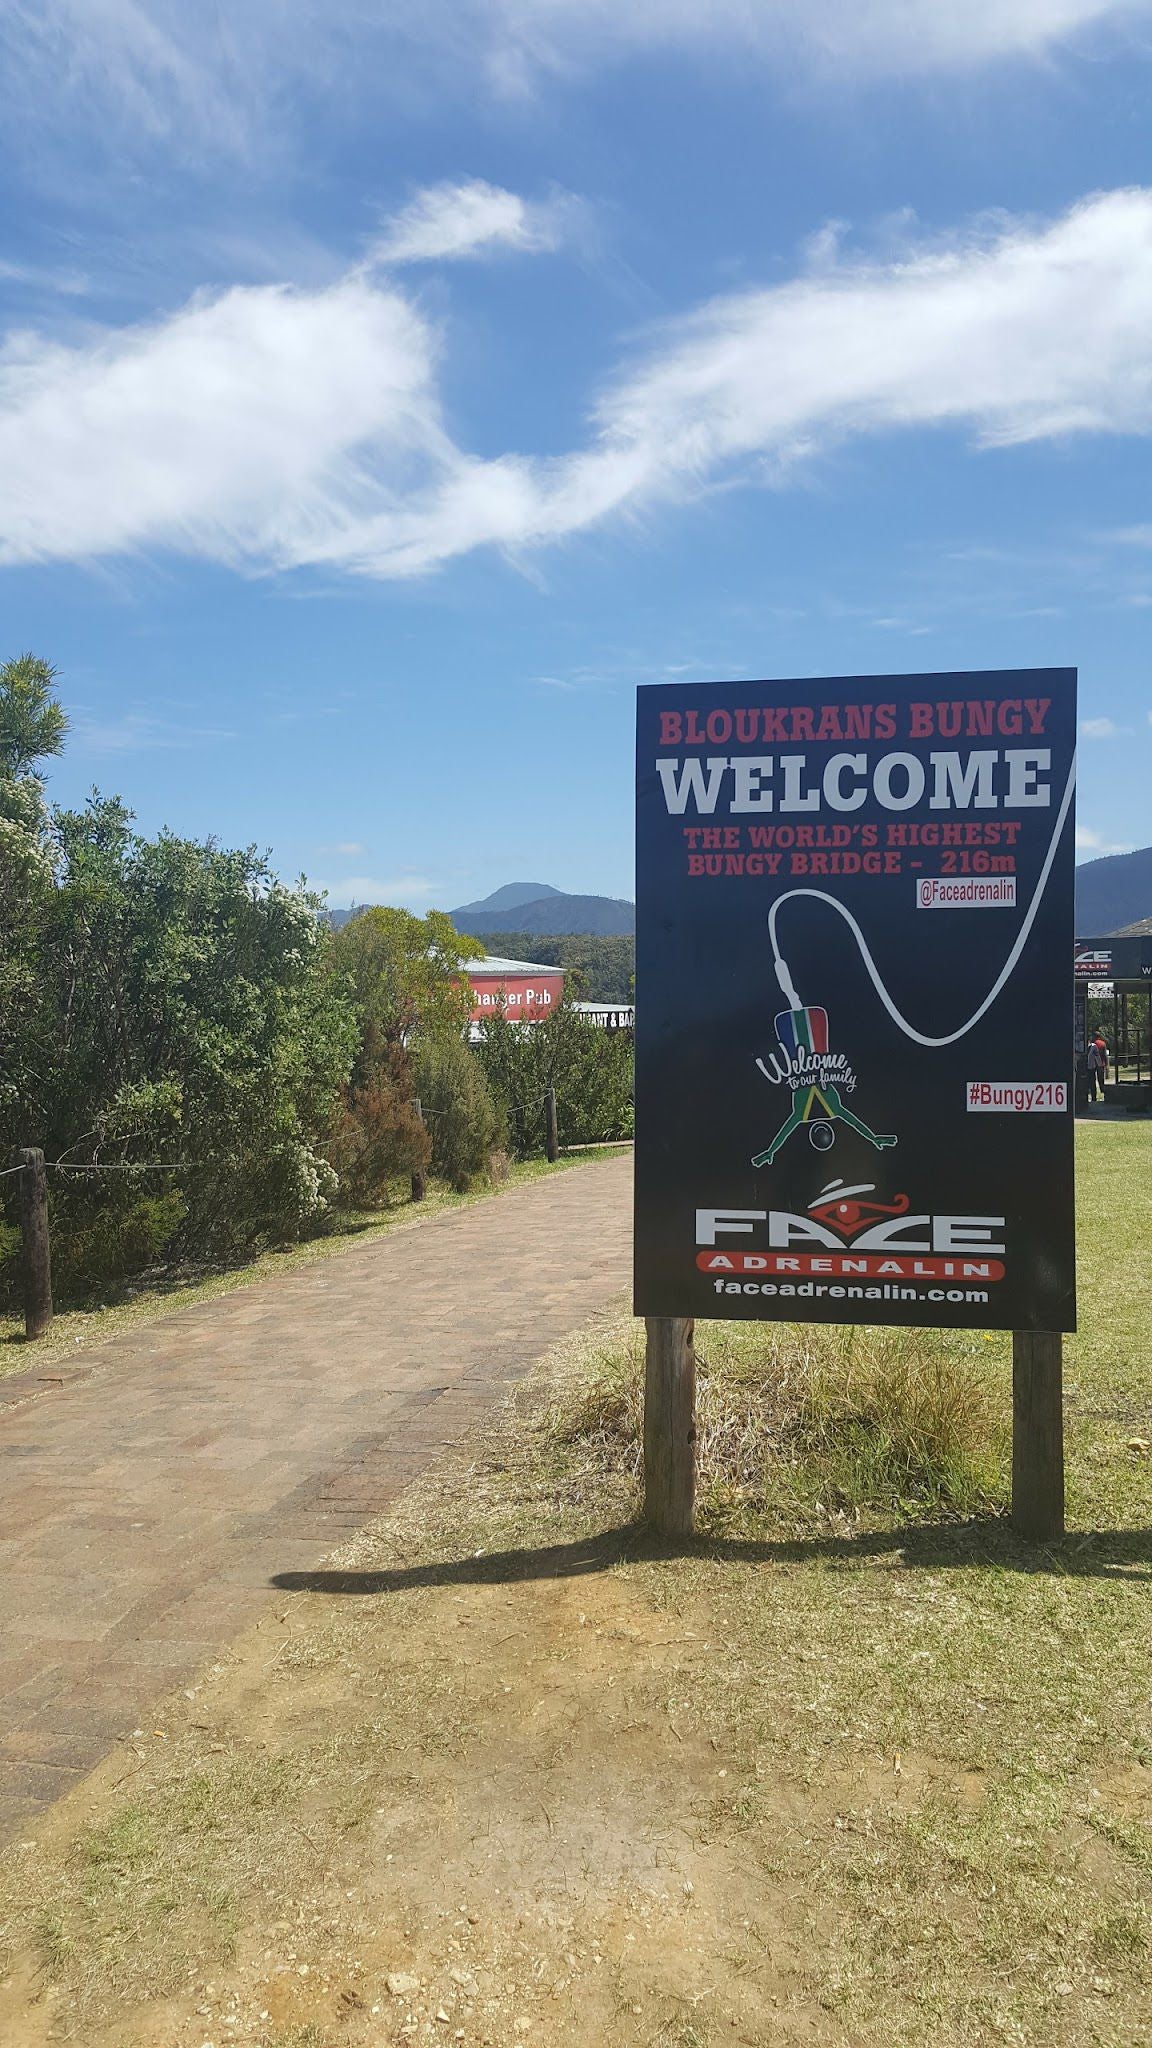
(797, 1423)
(1107, 1376)
(914, 1750)
(1009, 1897)
(162, 1877)
(75, 1328)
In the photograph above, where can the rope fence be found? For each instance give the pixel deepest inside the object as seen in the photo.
(525, 1108)
(121, 1166)
(35, 1210)
(533, 1105)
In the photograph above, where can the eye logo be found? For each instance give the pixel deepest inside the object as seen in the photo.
(840, 1209)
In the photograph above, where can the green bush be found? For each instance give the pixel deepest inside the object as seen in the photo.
(379, 1137)
(100, 1239)
(591, 1070)
(9, 1260)
(594, 1080)
(464, 1120)
(186, 1012)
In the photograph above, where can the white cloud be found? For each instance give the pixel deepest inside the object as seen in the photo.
(141, 732)
(279, 428)
(69, 283)
(406, 890)
(857, 38)
(251, 425)
(1103, 729)
(164, 71)
(1094, 843)
(347, 849)
(450, 221)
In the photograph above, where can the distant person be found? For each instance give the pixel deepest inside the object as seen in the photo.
(1097, 1067)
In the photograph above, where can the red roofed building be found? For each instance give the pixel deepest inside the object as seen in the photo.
(520, 990)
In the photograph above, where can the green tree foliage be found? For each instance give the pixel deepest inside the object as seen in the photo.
(407, 972)
(32, 727)
(599, 969)
(183, 1011)
(591, 1070)
(105, 1231)
(413, 1003)
(32, 722)
(379, 1135)
(200, 1015)
(463, 1117)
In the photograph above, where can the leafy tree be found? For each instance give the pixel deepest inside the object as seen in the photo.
(463, 1117)
(32, 727)
(200, 1014)
(407, 972)
(184, 1013)
(412, 999)
(379, 1133)
(590, 1069)
(32, 722)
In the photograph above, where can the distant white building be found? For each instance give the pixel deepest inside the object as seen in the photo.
(610, 1016)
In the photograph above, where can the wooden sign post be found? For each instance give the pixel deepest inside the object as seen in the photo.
(1037, 1434)
(37, 1249)
(669, 1425)
(419, 1181)
(670, 1430)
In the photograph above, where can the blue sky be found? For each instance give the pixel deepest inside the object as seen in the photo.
(381, 402)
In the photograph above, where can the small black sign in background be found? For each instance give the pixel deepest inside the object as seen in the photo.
(801, 1153)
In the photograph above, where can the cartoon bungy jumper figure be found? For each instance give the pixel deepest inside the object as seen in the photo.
(803, 1033)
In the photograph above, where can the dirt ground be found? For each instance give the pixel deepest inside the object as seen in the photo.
(539, 1863)
(499, 1799)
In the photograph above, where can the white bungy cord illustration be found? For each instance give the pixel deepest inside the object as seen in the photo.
(798, 1017)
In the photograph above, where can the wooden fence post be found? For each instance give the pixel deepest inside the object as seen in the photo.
(669, 1425)
(37, 1247)
(551, 1131)
(419, 1181)
(1037, 1434)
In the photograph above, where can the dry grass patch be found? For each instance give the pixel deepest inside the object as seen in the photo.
(798, 1422)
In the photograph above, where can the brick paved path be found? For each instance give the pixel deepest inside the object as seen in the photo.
(147, 1500)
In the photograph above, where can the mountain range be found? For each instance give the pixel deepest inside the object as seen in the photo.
(1112, 894)
(536, 907)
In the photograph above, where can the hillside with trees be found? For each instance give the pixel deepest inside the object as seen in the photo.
(1114, 893)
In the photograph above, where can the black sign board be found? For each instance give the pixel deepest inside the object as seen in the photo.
(1125, 959)
(853, 1045)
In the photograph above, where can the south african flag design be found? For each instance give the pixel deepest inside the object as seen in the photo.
(802, 1030)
